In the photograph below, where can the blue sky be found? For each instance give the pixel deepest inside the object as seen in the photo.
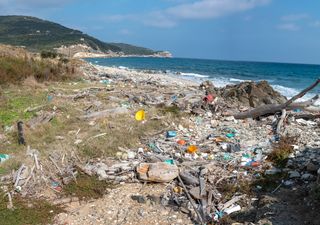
(254, 30)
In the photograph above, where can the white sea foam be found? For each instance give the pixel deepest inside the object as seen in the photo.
(194, 75)
(238, 80)
(290, 92)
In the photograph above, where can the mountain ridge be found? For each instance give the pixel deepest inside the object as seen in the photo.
(37, 35)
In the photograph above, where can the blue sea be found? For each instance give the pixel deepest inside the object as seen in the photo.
(286, 78)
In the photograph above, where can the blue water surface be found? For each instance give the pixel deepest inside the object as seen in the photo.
(287, 78)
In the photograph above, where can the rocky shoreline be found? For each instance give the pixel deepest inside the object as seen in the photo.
(192, 163)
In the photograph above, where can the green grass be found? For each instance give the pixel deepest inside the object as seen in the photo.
(86, 187)
(173, 110)
(27, 211)
(13, 105)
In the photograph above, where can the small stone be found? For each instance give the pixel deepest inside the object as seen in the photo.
(288, 183)
(141, 213)
(184, 210)
(138, 198)
(294, 174)
(273, 171)
(311, 167)
(307, 176)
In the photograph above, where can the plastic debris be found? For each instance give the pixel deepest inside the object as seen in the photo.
(192, 149)
(4, 157)
(140, 115)
(171, 134)
(106, 82)
(181, 142)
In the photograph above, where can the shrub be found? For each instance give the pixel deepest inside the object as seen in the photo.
(281, 150)
(15, 70)
(48, 54)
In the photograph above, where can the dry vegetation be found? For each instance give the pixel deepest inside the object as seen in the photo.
(281, 150)
(17, 65)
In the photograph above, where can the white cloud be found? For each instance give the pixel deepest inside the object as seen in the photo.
(207, 9)
(295, 17)
(158, 19)
(315, 24)
(288, 27)
(125, 32)
(190, 10)
(29, 6)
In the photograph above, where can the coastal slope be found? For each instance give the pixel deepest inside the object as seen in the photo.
(37, 35)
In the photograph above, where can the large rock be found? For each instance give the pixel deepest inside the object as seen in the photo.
(157, 172)
(252, 94)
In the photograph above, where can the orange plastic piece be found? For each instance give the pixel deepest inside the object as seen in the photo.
(255, 164)
(181, 142)
(192, 149)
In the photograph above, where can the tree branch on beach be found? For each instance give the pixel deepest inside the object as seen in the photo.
(274, 108)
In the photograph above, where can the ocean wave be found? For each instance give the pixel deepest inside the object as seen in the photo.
(238, 80)
(286, 91)
(290, 92)
(123, 67)
(194, 75)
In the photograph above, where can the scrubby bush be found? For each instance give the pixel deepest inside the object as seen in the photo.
(281, 150)
(48, 54)
(15, 70)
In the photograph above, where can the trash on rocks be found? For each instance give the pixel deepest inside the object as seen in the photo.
(233, 209)
(209, 98)
(157, 172)
(140, 115)
(42, 118)
(4, 157)
(181, 142)
(107, 82)
(192, 149)
(171, 134)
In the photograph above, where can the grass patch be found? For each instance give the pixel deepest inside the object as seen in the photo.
(27, 211)
(9, 165)
(14, 103)
(86, 187)
(122, 131)
(173, 110)
(14, 70)
(281, 150)
(269, 182)
(229, 189)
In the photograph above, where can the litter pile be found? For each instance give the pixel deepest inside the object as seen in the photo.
(210, 160)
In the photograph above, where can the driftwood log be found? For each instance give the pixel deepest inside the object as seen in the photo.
(274, 108)
(21, 139)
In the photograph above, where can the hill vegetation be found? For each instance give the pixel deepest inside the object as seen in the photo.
(38, 35)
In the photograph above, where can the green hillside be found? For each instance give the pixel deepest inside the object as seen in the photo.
(36, 35)
(133, 50)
